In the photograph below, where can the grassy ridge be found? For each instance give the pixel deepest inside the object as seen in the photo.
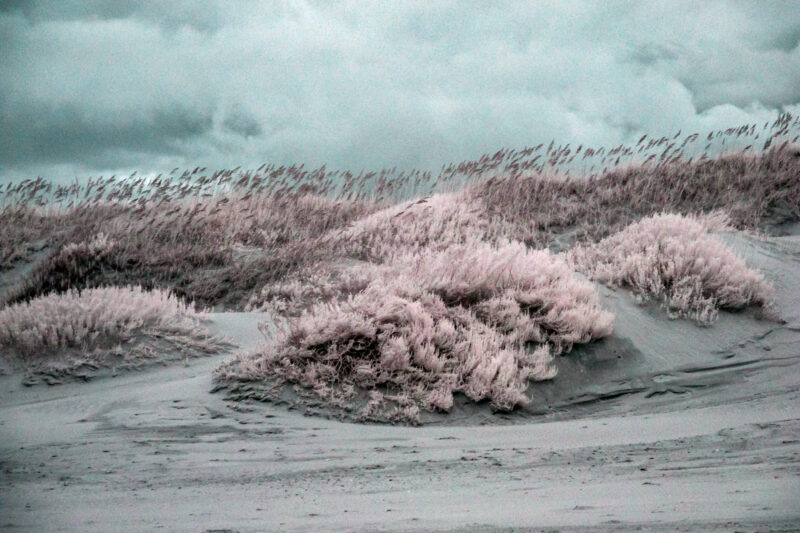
(218, 248)
(395, 305)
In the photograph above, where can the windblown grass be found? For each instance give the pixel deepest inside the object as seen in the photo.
(219, 239)
(675, 259)
(472, 318)
(213, 252)
(66, 332)
(404, 288)
(755, 191)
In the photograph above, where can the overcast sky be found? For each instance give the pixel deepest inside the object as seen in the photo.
(96, 87)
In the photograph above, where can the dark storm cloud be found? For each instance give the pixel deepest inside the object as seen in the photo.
(95, 86)
(56, 134)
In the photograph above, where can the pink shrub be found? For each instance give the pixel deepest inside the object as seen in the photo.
(95, 318)
(472, 319)
(529, 294)
(675, 258)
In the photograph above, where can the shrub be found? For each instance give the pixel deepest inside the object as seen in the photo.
(472, 319)
(676, 259)
(72, 325)
(434, 222)
(495, 280)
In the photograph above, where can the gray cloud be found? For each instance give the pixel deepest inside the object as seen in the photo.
(57, 134)
(99, 86)
(238, 120)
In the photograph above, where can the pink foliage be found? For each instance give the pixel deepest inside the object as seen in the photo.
(471, 318)
(90, 318)
(675, 258)
(435, 222)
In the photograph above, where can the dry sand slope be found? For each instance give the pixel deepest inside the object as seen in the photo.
(665, 426)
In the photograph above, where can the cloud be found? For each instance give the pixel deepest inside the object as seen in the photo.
(91, 86)
(57, 134)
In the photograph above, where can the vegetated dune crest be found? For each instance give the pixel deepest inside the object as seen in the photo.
(660, 423)
(397, 311)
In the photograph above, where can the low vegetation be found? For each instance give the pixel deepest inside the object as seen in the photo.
(473, 319)
(675, 259)
(120, 327)
(401, 289)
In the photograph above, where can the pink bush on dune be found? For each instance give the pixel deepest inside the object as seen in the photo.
(675, 258)
(473, 318)
(95, 318)
(531, 295)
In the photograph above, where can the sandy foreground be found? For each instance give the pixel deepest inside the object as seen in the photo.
(666, 426)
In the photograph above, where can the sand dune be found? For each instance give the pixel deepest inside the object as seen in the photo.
(664, 426)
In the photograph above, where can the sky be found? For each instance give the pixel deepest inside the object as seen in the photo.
(92, 87)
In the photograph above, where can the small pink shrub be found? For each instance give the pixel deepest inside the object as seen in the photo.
(676, 259)
(95, 318)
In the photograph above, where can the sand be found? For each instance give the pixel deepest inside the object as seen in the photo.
(665, 426)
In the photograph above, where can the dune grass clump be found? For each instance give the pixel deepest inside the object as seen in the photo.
(434, 223)
(100, 327)
(475, 319)
(320, 283)
(531, 295)
(73, 267)
(675, 259)
(757, 191)
(20, 227)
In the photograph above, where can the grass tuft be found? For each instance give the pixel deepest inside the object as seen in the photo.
(675, 259)
(117, 326)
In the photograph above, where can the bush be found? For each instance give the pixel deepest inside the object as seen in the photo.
(675, 259)
(473, 319)
(434, 222)
(72, 325)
